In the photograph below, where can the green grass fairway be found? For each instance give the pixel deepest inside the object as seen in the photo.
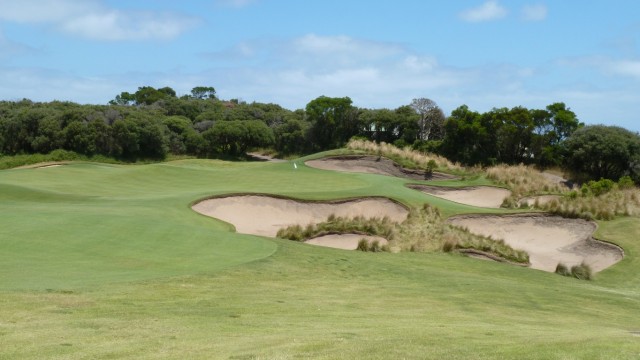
(109, 262)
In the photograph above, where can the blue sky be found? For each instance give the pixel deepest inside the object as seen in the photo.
(379, 53)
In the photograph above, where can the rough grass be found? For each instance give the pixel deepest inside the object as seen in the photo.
(617, 202)
(424, 230)
(523, 181)
(407, 157)
(382, 227)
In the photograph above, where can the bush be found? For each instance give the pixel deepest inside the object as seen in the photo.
(363, 245)
(582, 272)
(626, 182)
(599, 187)
(561, 269)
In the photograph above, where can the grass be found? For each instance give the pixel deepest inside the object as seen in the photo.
(523, 181)
(406, 157)
(108, 261)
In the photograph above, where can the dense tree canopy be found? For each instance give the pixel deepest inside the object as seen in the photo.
(152, 123)
(599, 151)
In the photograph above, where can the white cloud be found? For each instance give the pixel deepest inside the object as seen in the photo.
(235, 3)
(92, 20)
(625, 68)
(9, 48)
(489, 11)
(536, 12)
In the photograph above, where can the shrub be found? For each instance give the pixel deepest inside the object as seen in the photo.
(626, 182)
(374, 246)
(363, 245)
(561, 269)
(582, 272)
(449, 245)
(599, 187)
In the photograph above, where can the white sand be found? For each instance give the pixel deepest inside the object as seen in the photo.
(548, 240)
(265, 215)
(541, 199)
(344, 241)
(480, 196)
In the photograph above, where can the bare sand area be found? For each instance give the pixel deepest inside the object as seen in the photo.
(481, 196)
(345, 241)
(265, 215)
(540, 199)
(548, 240)
(373, 165)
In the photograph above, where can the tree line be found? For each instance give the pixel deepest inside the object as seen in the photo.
(152, 123)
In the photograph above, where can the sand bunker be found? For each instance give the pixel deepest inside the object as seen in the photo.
(481, 196)
(548, 240)
(345, 241)
(541, 199)
(265, 215)
(373, 165)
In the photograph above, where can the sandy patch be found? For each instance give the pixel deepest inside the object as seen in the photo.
(48, 166)
(265, 215)
(373, 165)
(344, 241)
(548, 240)
(480, 196)
(541, 199)
(261, 157)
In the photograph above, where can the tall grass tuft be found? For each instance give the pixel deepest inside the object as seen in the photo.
(406, 157)
(582, 272)
(425, 230)
(523, 181)
(382, 227)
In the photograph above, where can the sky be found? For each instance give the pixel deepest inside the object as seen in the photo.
(382, 54)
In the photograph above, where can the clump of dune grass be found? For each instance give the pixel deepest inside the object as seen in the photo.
(523, 181)
(601, 200)
(406, 157)
(581, 271)
(371, 246)
(382, 227)
(426, 230)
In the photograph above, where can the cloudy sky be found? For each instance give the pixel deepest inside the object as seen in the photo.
(483, 53)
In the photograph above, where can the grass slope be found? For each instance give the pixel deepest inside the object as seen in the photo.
(108, 261)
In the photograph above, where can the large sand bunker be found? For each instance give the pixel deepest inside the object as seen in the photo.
(548, 240)
(373, 165)
(265, 215)
(481, 196)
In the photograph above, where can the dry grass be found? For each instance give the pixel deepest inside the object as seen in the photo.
(406, 157)
(524, 180)
(617, 202)
(426, 230)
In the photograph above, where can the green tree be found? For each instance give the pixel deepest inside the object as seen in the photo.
(334, 121)
(598, 151)
(203, 92)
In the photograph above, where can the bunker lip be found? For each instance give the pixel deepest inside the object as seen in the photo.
(480, 196)
(264, 215)
(548, 239)
(370, 164)
(344, 241)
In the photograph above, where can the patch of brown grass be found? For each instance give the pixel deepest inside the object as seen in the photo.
(406, 157)
(524, 180)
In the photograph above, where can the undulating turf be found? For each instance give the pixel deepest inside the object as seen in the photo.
(109, 261)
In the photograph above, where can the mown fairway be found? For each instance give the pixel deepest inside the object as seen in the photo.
(106, 261)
